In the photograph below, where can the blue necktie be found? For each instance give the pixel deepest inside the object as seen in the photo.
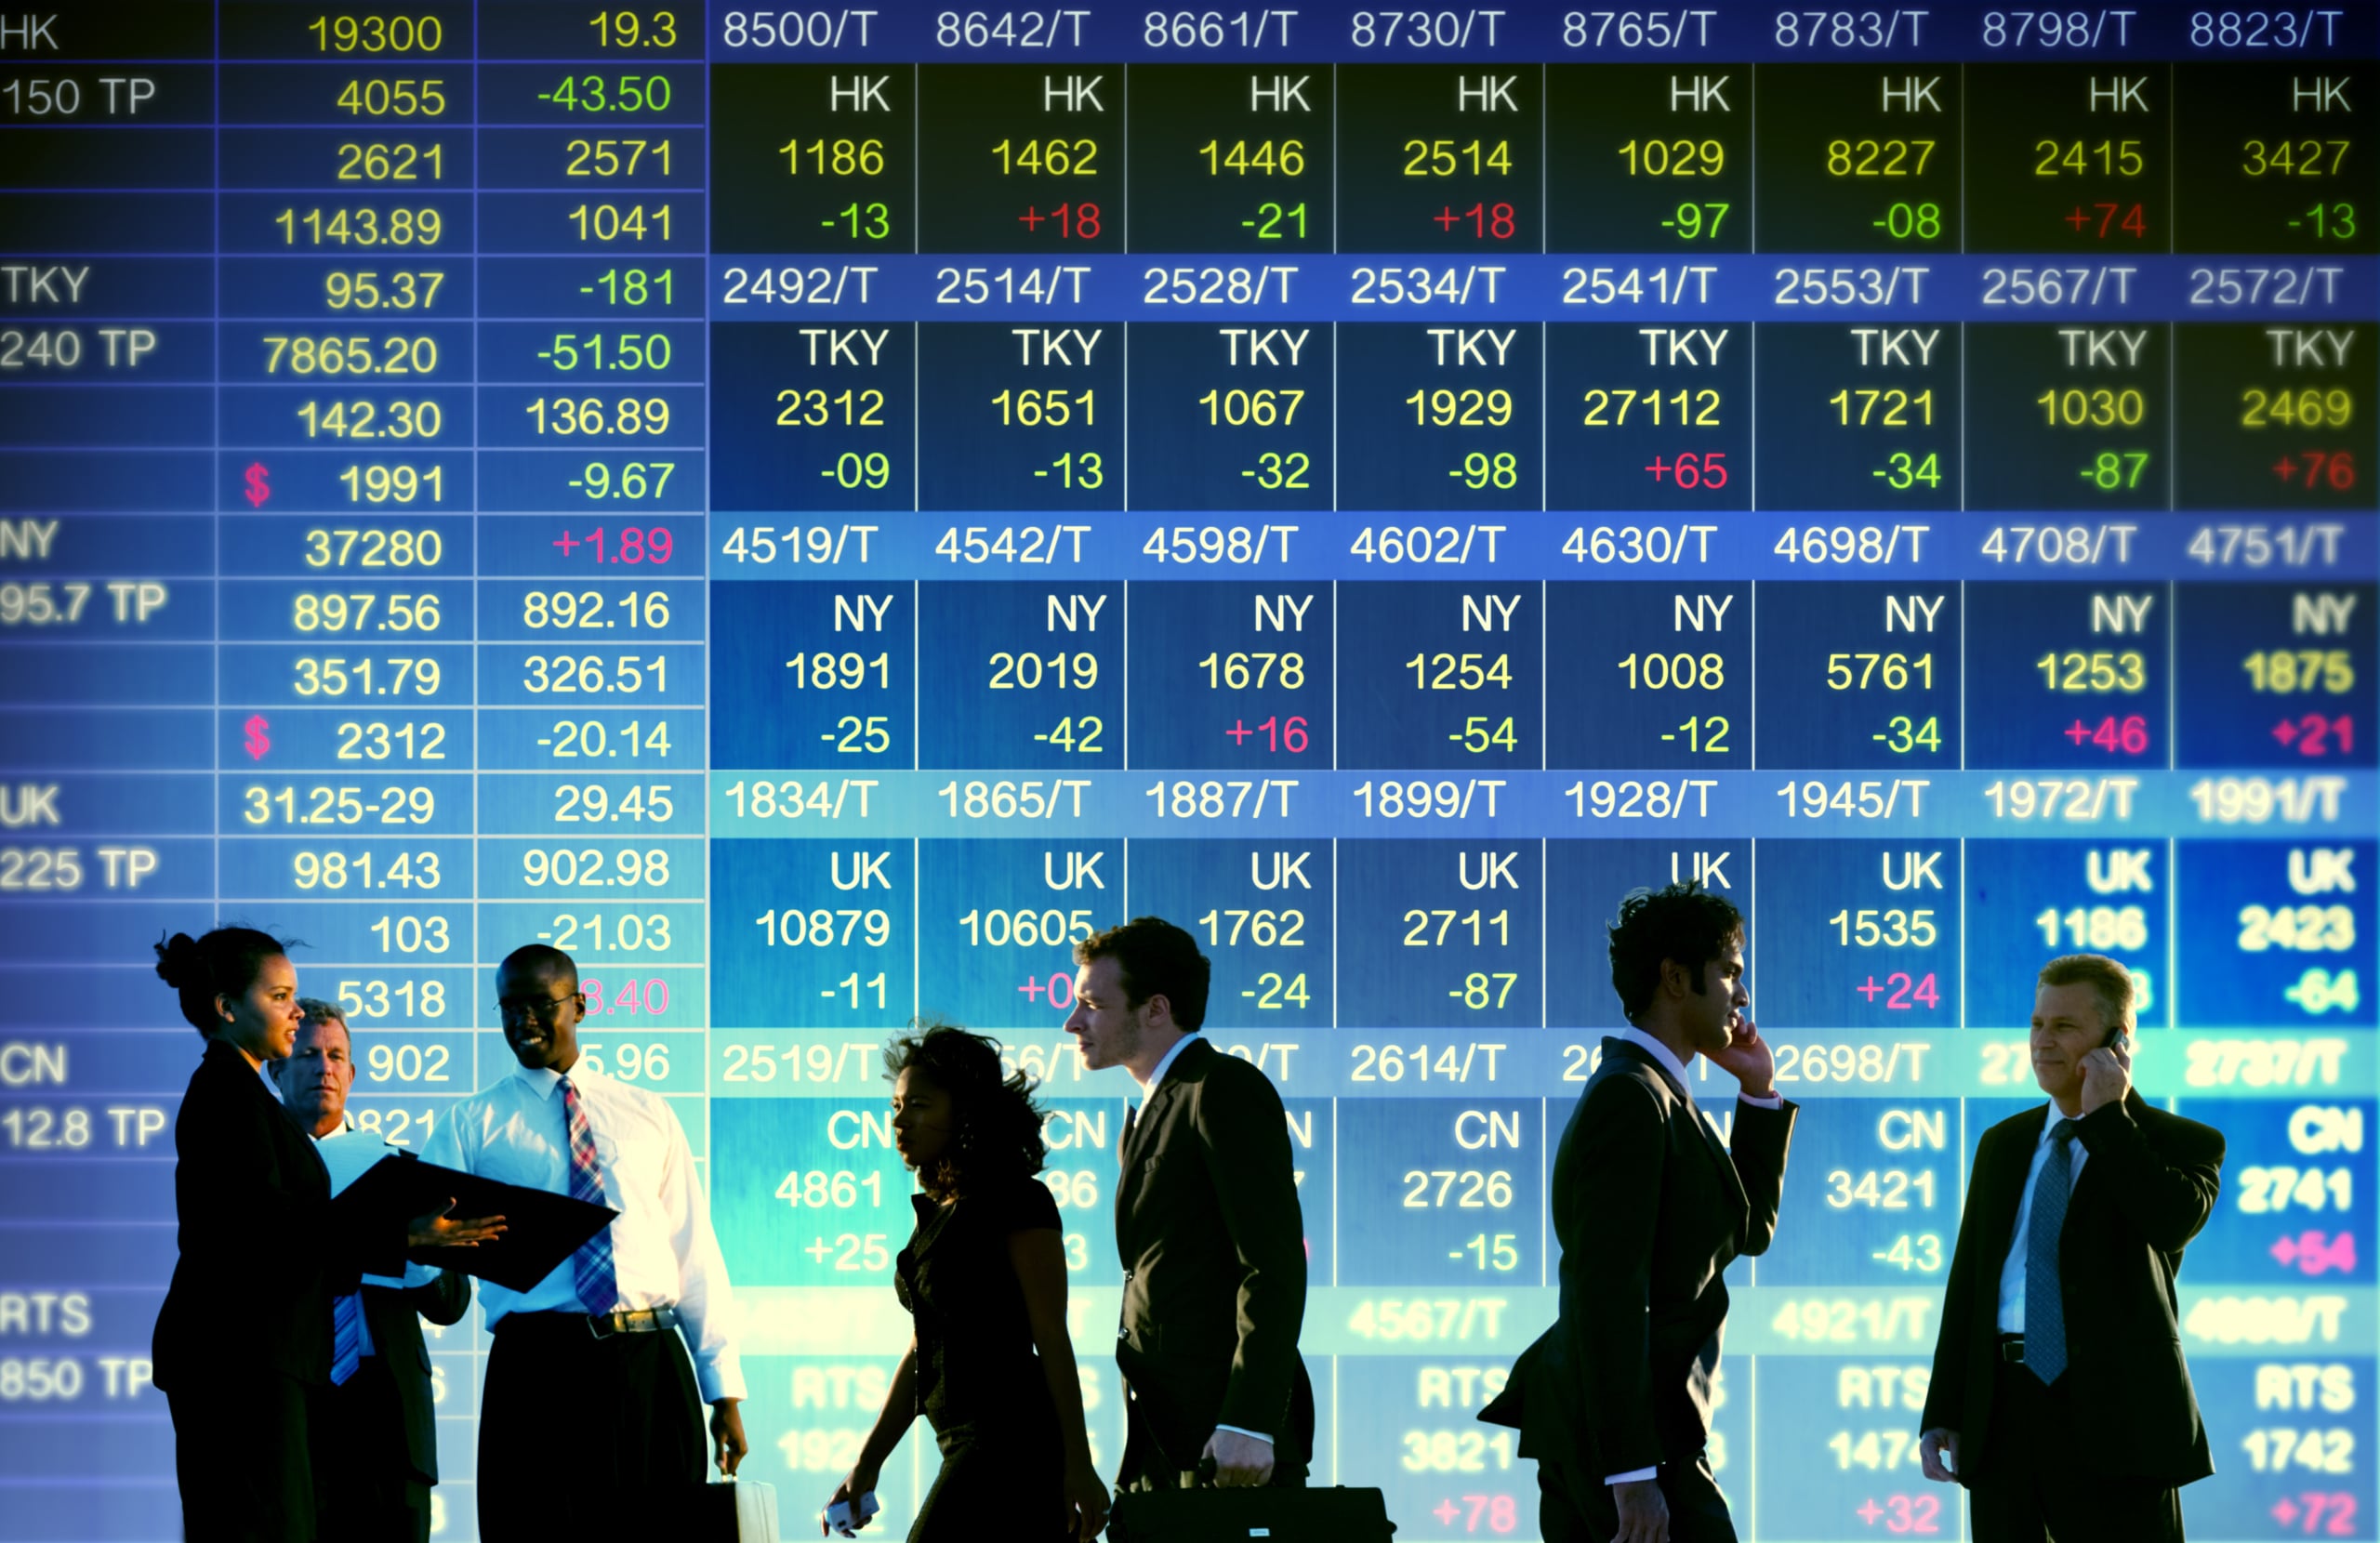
(2044, 1299)
(346, 1336)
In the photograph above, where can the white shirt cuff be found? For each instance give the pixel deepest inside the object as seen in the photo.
(1774, 1101)
(721, 1376)
(1632, 1476)
(1253, 1436)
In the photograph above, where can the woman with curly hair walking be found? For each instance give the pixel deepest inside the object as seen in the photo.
(984, 1280)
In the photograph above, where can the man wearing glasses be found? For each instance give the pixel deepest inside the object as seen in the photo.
(588, 1422)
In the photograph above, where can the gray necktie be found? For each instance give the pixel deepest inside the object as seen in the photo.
(2044, 1299)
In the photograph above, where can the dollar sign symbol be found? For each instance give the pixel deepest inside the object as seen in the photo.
(259, 488)
(257, 741)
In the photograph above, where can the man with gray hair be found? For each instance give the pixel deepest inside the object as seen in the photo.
(2059, 1399)
(375, 1441)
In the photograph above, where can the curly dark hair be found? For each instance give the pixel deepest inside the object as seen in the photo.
(1683, 922)
(999, 1132)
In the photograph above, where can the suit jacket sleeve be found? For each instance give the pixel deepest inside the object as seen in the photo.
(1615, 1189)
(1946, 1392)
(1758, 1147)
(1244, 1141)
(233, 1198)
(2167, 1198)
(442, 1301)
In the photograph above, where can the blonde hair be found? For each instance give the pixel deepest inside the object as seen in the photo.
(2103, 975)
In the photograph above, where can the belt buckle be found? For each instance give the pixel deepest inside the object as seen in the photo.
(603, 1326)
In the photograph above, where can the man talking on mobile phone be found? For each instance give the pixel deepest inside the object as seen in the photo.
(1614, 1401)
(2059, 1320)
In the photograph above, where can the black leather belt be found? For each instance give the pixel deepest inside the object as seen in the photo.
(2012, 1348)
(602, 1325)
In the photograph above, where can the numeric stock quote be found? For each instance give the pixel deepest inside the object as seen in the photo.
(812, 510)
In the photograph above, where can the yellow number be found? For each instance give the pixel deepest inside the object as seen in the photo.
(2310, 407)
(1877, 157)
(1264, 158)
(1056, 157)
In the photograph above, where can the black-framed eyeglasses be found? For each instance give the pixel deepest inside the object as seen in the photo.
(545, 1008)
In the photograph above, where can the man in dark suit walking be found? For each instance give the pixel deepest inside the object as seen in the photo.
(2059, 1398)
(1614, 1401)
(1207, 1224)
(376, 1447)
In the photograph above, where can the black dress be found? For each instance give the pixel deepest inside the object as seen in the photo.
(980, 1382)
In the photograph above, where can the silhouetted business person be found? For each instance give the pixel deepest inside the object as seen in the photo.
(990, 1365)
(375, 1434)
(242, 1344)
(1207, 1225)
(1614, 1401)
(2059, 1398)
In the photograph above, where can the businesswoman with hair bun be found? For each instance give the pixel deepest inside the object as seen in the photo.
(247, 1333)
(984, 1280)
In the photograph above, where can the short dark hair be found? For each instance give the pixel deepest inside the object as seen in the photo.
(1157, 959)
(224, 962)
(1683, 922)
(538, 956)
(999, 1132)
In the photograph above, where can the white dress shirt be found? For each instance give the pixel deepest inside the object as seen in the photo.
(1148, 1089)
(664, 1253)
(1164, 1064)
(1667, 1060)
(2012, 1269)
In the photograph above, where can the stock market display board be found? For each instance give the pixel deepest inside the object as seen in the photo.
(812, 510)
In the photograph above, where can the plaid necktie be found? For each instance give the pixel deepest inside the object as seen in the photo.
(2044, 1299)
(590, 1268)
(346, 1336)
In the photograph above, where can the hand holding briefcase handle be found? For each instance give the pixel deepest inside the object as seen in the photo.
(1205, 1514)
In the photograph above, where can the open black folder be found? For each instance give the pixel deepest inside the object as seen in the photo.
(540, 1228)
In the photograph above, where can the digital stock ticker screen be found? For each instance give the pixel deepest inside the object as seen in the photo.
(812, 510)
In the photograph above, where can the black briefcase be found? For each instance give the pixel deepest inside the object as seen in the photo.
(1335, 1515)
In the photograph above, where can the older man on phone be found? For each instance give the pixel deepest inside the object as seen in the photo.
(2059, 1322)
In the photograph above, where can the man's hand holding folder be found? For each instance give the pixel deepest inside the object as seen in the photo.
(511, 1235)
(442, 1228)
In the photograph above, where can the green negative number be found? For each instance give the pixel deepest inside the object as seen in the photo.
(1480, 469)
(853, 469)
(1904, 221)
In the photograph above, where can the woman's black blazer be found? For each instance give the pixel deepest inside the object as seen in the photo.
(262, 1253)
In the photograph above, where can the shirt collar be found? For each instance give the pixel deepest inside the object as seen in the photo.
(542, 1080)
(1164, 1065)
(346, 1128)
(2049, 1124)
(1663, 1055)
